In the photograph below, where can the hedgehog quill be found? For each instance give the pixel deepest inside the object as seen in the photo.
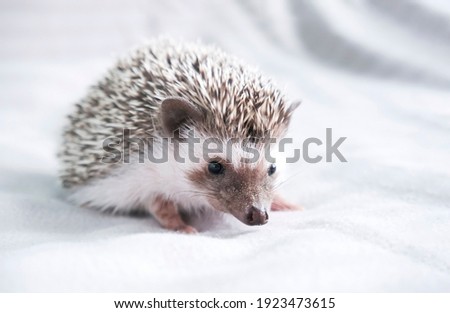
(164, 90)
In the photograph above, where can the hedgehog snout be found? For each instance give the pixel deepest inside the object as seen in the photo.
(255, 216)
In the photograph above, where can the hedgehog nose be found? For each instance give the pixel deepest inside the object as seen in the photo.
(256, 216)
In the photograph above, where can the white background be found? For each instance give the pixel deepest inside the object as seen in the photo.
(377, 72)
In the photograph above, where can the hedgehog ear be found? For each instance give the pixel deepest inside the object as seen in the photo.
(177, 112)
(290, 111)
(293, 106)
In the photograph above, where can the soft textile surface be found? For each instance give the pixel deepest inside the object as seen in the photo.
(376, 72)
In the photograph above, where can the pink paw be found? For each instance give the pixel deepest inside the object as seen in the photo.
(279, 204)
(186, 229)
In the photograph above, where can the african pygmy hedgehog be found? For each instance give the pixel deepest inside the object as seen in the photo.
(148, 103)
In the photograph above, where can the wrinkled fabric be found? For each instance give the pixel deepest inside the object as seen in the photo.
(376, 72)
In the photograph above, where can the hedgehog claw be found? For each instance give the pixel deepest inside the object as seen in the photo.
(186, 229)
(279, 204)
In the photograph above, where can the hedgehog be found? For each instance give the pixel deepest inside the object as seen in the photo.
(175, 99)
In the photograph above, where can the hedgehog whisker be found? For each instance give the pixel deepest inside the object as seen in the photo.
(278, 185)
(193, 193)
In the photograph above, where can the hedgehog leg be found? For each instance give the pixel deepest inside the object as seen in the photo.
(280, 204)
(166, 213)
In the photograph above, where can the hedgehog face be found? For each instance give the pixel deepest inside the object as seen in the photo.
(241, 185)
(243, 190)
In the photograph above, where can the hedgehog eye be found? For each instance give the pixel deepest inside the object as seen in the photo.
(215, 168)
(272, 169)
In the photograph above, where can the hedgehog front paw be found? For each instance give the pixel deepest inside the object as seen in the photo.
(166, 213)
(186, 229)
(279, 204)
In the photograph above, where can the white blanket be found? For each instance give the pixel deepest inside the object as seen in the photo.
(376, 72)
